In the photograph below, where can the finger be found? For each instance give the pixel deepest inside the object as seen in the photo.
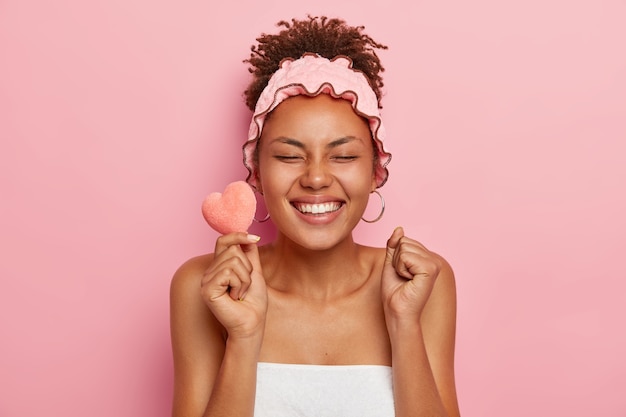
(252, 253)
(408, 257)
(238, 238)
(412, 245)
(406, 244)
(219, 284)
(226, 257)
(240, 286)
(412, 259)
(249, 255)
(227, 281)
(231, 262)
(392, 244)
(230, 275)
(403, 261)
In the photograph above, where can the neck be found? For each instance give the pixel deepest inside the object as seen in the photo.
(315, 274)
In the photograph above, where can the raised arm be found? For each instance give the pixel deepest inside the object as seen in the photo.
(218, 305)
(419, 298)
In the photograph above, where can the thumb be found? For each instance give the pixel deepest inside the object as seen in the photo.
(392, 244)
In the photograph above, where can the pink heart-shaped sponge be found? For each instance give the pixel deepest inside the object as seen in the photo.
(231, 211)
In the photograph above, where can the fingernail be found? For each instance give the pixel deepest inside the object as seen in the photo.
(253, 238)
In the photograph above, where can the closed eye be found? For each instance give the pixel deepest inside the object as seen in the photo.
(287, 158)
(345, 158)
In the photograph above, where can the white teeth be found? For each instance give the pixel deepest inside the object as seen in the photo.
(318, 208)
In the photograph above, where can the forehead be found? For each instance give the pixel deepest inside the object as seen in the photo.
(320, 115)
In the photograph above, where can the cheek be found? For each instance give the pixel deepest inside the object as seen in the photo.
(272, 177)
(358, 177)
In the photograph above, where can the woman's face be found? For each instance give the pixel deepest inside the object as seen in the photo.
(316, 169)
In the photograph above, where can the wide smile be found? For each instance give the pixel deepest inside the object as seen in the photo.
(317, 209)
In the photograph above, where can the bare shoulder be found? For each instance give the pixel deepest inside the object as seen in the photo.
(445, 279)
(186, 304)
(190, 272)
(185, 299)
(446, 274)
(442, 300)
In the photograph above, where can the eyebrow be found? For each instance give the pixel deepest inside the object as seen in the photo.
(335, 143)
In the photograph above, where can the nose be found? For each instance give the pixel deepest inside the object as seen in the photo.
(316, 175)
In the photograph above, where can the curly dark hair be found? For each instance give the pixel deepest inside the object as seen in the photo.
(320, 35)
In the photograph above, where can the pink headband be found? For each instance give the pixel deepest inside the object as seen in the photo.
(312, 75)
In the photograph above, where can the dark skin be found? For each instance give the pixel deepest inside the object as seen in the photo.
(313, 295)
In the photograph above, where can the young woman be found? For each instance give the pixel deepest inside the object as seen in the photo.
(313, 323)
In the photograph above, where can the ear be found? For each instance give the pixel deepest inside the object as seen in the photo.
(257, 178)
(374, 184)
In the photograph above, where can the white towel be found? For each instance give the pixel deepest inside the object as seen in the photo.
(286, 390)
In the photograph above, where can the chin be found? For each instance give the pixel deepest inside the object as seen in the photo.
(319, 240)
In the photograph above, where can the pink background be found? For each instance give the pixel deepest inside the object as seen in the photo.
(507, 120)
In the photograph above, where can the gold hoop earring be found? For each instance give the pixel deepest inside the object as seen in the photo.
(382, 209)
